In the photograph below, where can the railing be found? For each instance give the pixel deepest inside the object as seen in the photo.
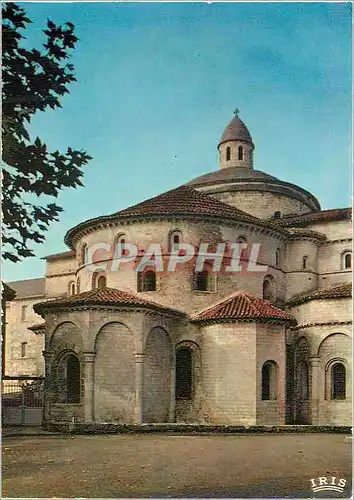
(22, 400)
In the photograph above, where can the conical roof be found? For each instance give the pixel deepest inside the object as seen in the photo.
(236, 131)
(242, 306)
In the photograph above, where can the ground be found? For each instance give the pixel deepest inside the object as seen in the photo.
(150, 465)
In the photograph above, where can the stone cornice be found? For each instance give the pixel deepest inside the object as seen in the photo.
(325, 323)
(104, 222)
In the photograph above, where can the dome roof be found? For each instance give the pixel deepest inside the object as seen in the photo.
(236, 131)
(231, 174)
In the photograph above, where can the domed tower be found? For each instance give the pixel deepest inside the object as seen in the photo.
(237, 183)
(236, 145)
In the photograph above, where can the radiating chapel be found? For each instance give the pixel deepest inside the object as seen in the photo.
(257, 346)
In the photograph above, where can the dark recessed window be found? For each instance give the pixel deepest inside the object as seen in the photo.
(184, 373)
(228, 153)
(269, 381)
(147, 281)
(202, 281)
(338, 381)
(72, 379)
(240, 153)
(101, 282)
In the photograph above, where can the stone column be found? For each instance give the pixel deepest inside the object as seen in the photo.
(314, 395)
(139, 387)
(48, 386)
(89, 364)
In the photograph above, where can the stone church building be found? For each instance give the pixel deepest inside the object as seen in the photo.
(267, 343)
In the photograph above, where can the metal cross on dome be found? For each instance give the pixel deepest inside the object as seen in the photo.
(236, 112)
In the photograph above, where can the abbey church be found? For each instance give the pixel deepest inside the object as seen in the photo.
(267, 343)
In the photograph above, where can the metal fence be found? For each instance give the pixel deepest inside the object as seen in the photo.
(22, 400)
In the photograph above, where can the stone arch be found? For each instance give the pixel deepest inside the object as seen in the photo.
(328, 336)
(66, 335)
(158, 377)
(114, 374)
(335, 348)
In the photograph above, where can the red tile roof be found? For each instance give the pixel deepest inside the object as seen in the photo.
(182, 201)
(322, 215)
(306, 233)
(242, 306)
(332, 292)
(101, 296)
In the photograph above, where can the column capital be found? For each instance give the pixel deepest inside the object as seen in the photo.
(89, 356)
(314, 360)
(139, 357)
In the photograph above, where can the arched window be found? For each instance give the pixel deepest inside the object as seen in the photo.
(72, 288)
(305, 261)
(241, 239)
(69, 379)
(347, 260)
(269, 288)
(184, 373)
(78, 285)
(303, 381)
(269, 381)
(98, 280)
(120, 240)
(228, 153)
(240, 153)
(174, 240)
(338, 381)
(147, 281)
(277, 257)
(84, 254)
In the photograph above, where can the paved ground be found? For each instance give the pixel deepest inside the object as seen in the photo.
(172, 466)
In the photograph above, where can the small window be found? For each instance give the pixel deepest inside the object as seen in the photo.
(174, 240)
(101, 281)
(277, 258)
(347, 260)
(240, 153)
(72, 288)
(269, 381)
(201, 281)
(228, 153)
(277, 215)
(338, 379)
(84, 254)
(147, 281)
(23, 349)
(268, 289)
(78, 285)
(305, 262)
(23, 313)
(121, 240)
(184, 373)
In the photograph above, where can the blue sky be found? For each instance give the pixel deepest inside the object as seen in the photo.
(158, 83)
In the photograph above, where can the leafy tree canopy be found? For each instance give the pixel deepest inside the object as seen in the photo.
(33, 80)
